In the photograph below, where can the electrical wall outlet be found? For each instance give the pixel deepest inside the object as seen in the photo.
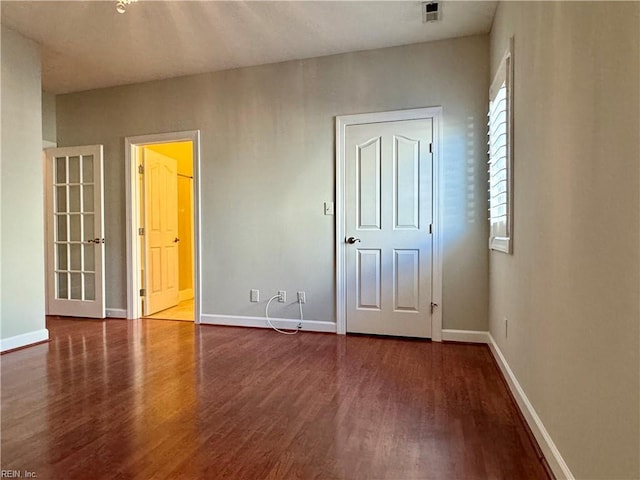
(302, 298)
(254, 296)
(282, 296)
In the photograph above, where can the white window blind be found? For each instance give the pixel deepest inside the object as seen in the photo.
(498, 205)
(500, 158)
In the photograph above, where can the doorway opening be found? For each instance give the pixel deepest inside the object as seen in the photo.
(163, 247)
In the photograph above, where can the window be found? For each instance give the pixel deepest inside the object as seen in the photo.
(501, 156)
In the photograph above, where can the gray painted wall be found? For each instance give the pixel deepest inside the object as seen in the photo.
(571, 288)
(22, 227)
(49, 117)
(268, 164)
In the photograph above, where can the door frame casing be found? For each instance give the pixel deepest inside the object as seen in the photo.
(45, 145)
(133, 216)
(342, 122)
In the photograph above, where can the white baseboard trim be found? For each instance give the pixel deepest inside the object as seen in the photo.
(261, 322)
(116, 313)
(186, 294)
(549, 450)
(23, 340)
(467, 336)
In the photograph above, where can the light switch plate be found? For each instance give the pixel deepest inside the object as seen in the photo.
(328, 208)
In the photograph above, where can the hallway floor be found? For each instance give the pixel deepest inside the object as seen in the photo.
(183, 311)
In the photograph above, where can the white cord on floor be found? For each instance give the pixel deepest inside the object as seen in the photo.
(266, 314)
(301, 316)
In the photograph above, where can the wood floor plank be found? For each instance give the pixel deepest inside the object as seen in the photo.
(158, 399)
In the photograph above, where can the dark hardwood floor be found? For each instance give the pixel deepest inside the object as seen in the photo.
(157, 399)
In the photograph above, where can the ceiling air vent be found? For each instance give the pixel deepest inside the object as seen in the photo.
(431, 12)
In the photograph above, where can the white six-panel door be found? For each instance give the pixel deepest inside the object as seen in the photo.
(161, 232)
(75, 231)
(388, 227)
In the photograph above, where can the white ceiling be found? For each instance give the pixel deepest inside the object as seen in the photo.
(87, 44)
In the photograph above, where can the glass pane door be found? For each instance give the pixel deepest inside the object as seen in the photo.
(76, 240)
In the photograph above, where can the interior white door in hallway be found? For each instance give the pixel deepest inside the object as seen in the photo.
(389, 216)
(161, 272)
(75, 231)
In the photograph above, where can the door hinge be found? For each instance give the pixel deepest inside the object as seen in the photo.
(431, 148)
(433, 306)
(143, 292)
(141, 169)
(141, 231)
(430, 228)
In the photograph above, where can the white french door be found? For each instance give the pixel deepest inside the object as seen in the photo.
(388, 222)
(75, 231)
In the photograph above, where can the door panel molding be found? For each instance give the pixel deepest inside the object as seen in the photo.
(369, 264)
(342, 122)
(132, 190)
(369, 164)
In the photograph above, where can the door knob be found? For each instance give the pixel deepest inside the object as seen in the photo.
(176, 240)
(352, 240)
